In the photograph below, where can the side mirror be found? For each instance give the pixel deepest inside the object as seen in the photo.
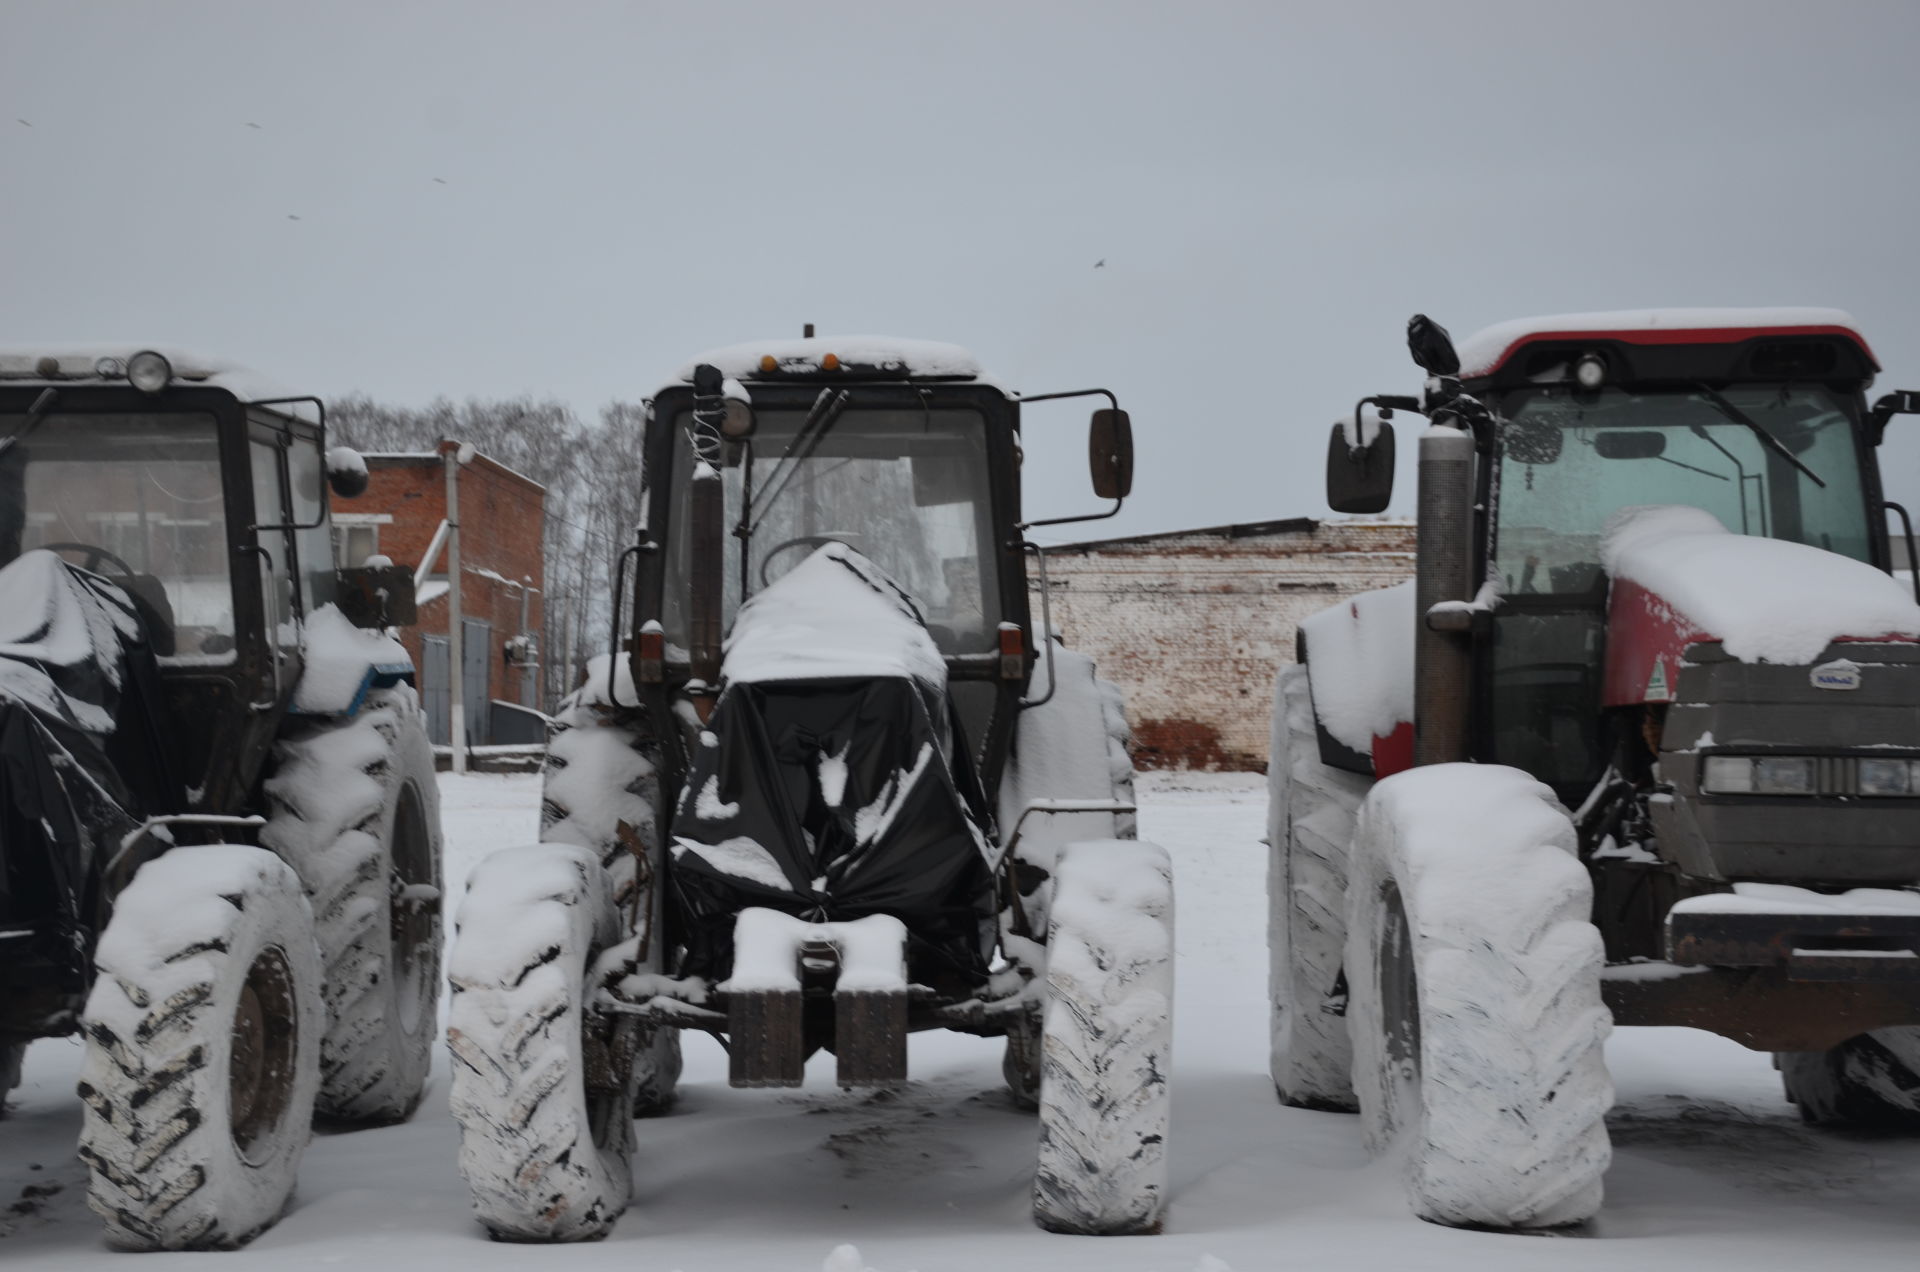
(376, 596)
(1639, 444)
(346, 472)
(1898, 402)
(1359, 477)
(1110, 453)
(1431, 346)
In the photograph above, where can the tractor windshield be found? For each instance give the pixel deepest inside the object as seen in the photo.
(1569, 461)
(908, 489)
(137, 499)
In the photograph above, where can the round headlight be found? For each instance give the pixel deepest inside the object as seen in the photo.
(107, 368)
(1590, 372)
(148, 371)
(737, 422)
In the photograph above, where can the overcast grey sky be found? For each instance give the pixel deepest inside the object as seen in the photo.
(571, 198)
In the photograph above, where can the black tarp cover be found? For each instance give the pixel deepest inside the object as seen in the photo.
(69, 643)
(833, 797)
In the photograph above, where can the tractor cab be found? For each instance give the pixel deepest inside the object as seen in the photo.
(1756, 417)
(203, 497)
(899, 450)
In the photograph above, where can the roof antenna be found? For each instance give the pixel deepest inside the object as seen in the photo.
(807, 331)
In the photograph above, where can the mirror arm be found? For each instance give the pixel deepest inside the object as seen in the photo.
(1913, 561)
(1114, 511)
(1898, 402)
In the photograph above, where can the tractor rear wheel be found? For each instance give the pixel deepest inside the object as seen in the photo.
(356, 810)
(541, 1083)
(599, 788)
(202, 1060)
(1476, 1019)
(1310, 813)
(1871, 1082)
(13, 1055)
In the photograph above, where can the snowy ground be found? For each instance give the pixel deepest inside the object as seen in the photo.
(1711, 1168)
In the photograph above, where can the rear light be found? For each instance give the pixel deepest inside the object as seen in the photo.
(1890, 777)
(652, 654)
(1013, 652)
(1758, 775)
(1834, 775)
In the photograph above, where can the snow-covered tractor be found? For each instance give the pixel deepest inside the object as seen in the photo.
(834, 785)
(1639, 745)
(219, 829)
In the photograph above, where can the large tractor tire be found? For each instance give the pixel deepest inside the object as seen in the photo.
(1871, 1082)
(1072, 746)
(202, 1062)
(1476, 1017)
(544, 1104)
(355, 808)
(1107, 1046)
(1310, 814)
(13, 1057)
(600, 790)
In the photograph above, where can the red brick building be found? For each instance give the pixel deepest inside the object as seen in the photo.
(1194, 624)
(502, 584)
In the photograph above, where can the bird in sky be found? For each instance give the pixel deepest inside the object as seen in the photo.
(1101, 263)
(292, 217)
(23, 123)
(440, 181)
(251, 124)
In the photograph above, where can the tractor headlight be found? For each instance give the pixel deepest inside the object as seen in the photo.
(1890, 777)
(1590, 372)
(1758, 775)
(148, 371)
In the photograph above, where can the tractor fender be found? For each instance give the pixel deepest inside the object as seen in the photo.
(343, 664)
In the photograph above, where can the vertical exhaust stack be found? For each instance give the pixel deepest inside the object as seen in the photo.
(708, 533)
(1442, 661)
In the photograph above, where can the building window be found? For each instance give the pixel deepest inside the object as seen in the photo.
(353, 544)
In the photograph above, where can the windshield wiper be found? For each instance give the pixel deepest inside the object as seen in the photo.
(1771, 442)
(41, 408)
(826, 412)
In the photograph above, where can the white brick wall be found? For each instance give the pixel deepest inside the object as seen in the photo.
(1193, 625)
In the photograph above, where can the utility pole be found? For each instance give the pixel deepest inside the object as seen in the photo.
(450, 454)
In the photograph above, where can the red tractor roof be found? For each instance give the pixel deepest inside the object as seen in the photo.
(1486, 351)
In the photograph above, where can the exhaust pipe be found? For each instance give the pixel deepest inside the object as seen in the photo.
(1443, 661)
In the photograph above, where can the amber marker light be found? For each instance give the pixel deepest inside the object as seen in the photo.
(830, 363)
(769, 363)
(1013, 652)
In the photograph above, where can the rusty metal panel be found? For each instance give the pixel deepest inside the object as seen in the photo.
(1710, 939)
(766, 1039)
(870, 1036)
(1760, 1008)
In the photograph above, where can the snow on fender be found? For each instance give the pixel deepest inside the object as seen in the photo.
(1108, 1041)
(1475, 1012)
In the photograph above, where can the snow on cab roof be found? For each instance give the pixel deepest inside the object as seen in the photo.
(74, 362)
(928, 359)
(1484, 351)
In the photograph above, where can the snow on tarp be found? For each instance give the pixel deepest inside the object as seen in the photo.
(929, 358)
(1765, 600)
(1360, 658)
(829, 782)
(1486, 349)
(63, 633)
(338, 658)
(835, 615)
